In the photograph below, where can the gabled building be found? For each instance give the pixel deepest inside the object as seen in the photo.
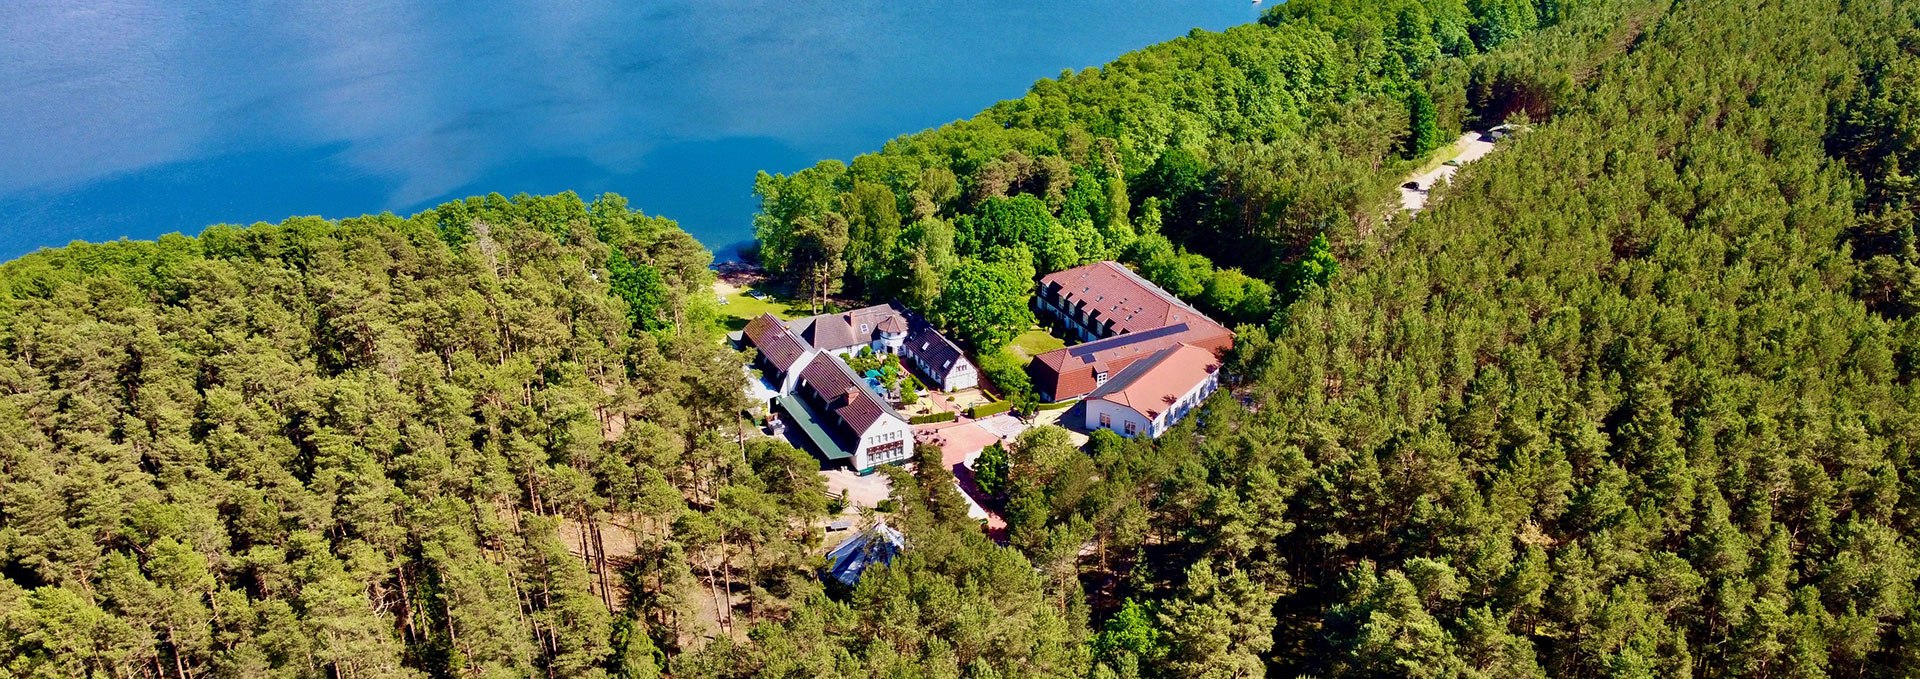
(1120, 318)
(891, 329)
(835, 411)
(937, 357)
(1151, 394)
(882, 328)
(844, 419)
(781, 351)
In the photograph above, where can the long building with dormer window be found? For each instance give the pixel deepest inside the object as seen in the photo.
(1118, 318)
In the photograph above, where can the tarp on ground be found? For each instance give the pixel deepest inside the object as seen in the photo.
(878, 544)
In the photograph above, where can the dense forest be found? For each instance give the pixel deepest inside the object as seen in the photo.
(377, 447)
(1635, 398)
(1229, 168)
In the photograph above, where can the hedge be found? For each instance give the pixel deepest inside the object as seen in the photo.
(931, 418)
(986, 409)
(1059, 404)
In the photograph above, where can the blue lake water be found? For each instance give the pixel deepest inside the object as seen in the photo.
(137, 118)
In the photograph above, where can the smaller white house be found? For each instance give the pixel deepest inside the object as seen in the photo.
(939, 358)
(1153, 393)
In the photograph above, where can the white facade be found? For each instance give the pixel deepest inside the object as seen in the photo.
(962, 376)
(791, 380)
(1126, 421)
(959, 375)
(890, 439)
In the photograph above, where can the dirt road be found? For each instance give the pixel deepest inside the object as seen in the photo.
(1469, 147)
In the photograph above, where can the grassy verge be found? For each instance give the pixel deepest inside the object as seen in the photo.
(1440, 156)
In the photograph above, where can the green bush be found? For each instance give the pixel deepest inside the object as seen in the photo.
(931, 418)
(987, 409)
(1007, 372)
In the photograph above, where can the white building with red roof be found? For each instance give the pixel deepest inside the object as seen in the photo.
(1152, 394)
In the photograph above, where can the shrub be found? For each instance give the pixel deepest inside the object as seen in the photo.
(990, 470)
(931, 418)
(1007, 373)
(986, 409)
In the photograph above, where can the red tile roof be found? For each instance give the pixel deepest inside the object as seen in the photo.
(776, 343)
(1072, 372)
(1143, 319)
(1150, 385)
(1112, 293)
(835, 385)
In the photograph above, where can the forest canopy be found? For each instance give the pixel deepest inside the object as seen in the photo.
(1636, 397)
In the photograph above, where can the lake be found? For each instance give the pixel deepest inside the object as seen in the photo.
(138, 118)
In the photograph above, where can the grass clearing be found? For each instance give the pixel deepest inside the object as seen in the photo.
(1035, 342)
(741, 307)
(1439, 157)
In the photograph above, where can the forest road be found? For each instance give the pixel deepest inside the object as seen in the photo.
(1468, 148)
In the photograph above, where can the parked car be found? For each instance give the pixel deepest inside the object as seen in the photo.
(1411, 185)
(1452, 163)
(756, 294)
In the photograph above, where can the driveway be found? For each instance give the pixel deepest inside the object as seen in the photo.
(862, 491)
(1468, 148)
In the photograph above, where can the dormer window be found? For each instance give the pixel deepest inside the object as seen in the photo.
(1100, 378)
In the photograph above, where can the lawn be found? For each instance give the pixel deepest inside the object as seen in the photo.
(1034, 342)
(740, 307)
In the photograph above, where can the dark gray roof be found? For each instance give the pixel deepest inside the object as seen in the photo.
(845, 394)
(848, 329)
(829, 331)
(933, 349)
(876, 545)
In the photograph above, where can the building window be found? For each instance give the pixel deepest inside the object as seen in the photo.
(1100, 378)
(1131, 430)
(1106, 421)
